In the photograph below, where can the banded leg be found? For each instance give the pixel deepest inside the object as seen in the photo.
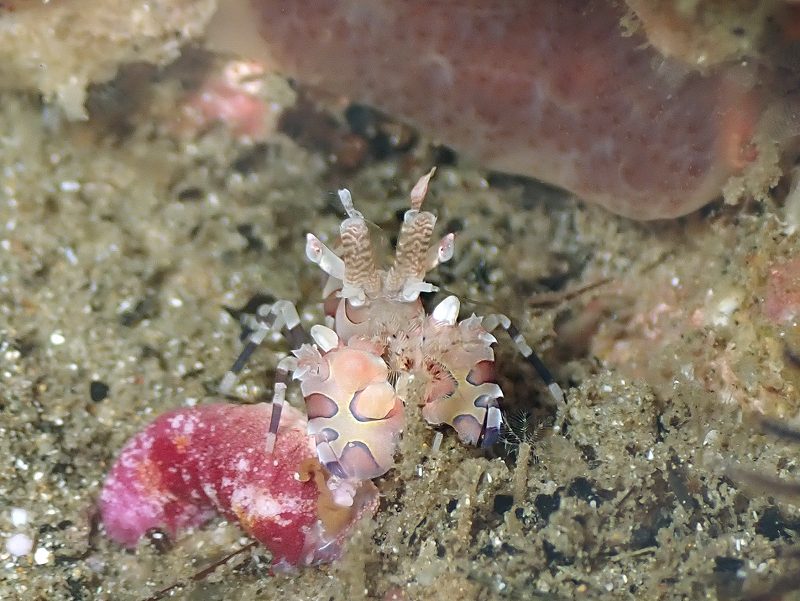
(493, 422)
(280, 316)
(285, 367)
(493, 321)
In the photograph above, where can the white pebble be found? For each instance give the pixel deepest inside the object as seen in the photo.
(70, 186)
(57, 338)
(19, 517)
(41, 556)
(19, 544)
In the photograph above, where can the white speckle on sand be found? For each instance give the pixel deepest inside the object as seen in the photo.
(19, 516)
(57, 338)
(41, 556)
(19, 544)
(725, 308)
(69, 185)
(70, 255)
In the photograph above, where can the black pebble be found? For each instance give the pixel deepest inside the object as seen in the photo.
(502, 503)
(98, 390)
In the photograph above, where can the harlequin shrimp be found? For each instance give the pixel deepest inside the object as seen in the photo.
(298, 483)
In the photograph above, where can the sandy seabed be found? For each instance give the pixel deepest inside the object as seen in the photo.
(122, 250)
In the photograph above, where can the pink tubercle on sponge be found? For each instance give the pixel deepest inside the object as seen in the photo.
(553, 89)
(233, 98)
(194, 462)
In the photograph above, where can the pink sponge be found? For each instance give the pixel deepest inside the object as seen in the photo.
(558, 90)
(191, 463)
